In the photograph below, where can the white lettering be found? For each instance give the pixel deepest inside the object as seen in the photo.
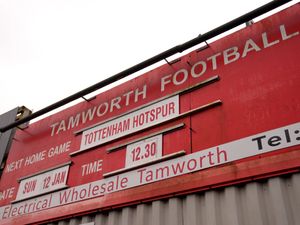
(164, 81)
(99, 110)
(59, 149)
(214, 60)
(62, 127)
(74, 122)
(127, 97)
(105, 105)
(53, 126)
(14, 165)
(250, 46)
(115, 103)
(201, 72)
(143, 93)
(92, 167)
(179, 77)
(7, 193)
(89, 114)
(231, 55)
(184, 74)
(266, 41)
(284, 35)
(34, 158)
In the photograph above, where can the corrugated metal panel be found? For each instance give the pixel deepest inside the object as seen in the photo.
(275, 201)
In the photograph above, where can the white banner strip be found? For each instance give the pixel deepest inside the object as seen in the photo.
(43, 183)
(246, 147)
(130, 123)
(144, 151)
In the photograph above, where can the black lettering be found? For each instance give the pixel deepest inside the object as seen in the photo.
(287, 135)
(259, 143)
(274, 141)
(297, 132)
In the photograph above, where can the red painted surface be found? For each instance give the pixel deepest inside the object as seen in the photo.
(259, 92)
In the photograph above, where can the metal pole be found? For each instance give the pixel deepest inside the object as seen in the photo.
(177, 49)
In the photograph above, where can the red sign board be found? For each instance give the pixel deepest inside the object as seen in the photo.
(220, 115)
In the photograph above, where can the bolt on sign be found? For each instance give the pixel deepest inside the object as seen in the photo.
(221, 114)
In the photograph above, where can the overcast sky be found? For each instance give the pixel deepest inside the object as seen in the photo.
(50, 49)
